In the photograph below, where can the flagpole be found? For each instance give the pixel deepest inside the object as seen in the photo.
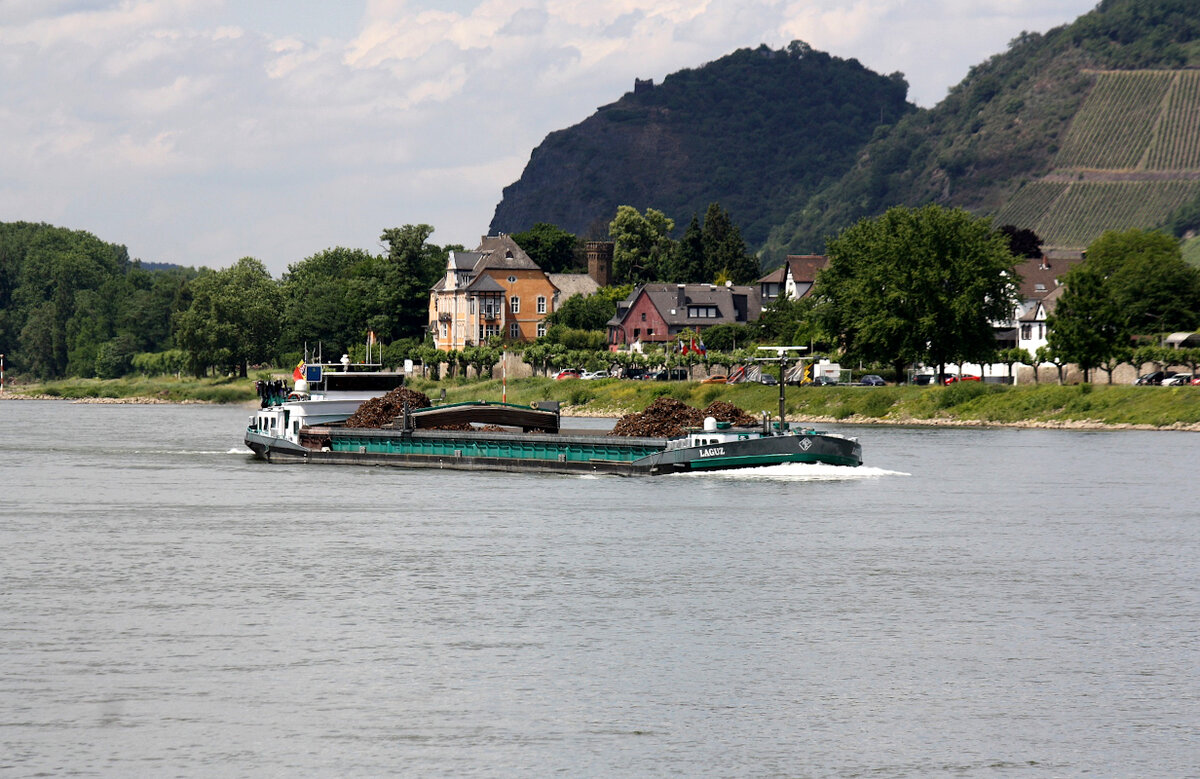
(504, 376)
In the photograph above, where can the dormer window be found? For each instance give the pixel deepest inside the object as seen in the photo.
(1039, 287)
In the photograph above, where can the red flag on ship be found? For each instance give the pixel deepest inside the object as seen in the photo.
(298, 374)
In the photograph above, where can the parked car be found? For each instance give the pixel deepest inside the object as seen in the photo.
(871, 380)
(1178, 380)
(589, 375)
(635, 373)
(672, 374)
(768, 379)
(715, 380)
(964, 377)
(1154, 377)
(567, 374)
(924, 379)
(1196, 380)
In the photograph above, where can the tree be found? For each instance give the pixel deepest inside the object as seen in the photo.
(1013, 356)
(580, 312)
(689, 266)
(411, 268)
(726, 337)
(724, 250)
(1022, 243)
(1151, 285)
(1085, 326)
(917, 285)
(1119, 356)
(553, 249)
(642, 246)
(326, 301)
(234, 317)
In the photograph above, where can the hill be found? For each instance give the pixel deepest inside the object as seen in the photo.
(1131, 158)
(1027, 134)
(758, 131)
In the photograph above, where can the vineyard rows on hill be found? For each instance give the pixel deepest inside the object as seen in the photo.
(1113, 128)
(1176, 144)
(1087, 209)
(1030, 203)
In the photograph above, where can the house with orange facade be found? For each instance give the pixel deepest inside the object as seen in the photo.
(496, 290)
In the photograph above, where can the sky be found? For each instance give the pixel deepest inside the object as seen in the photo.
(202, 131)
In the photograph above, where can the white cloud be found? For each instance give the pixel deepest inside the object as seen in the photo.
(200, 131)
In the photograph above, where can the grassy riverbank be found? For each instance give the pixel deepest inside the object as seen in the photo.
(162, 389)
(1046, 405)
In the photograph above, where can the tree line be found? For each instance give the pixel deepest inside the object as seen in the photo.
(913, 286)
(74, 305)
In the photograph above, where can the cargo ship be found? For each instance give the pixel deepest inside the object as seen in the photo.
(508, 437)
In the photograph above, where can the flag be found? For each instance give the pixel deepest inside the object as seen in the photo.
(298, 374)
(702, 348)
(370, 337)
(694, 349)
(683, 348)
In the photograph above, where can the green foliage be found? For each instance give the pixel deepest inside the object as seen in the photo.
(401, 285)
(727, 337)
(172, 361)
(233, 318)
(553, 249)
(724, 250)
(1086, 326)
(642, 245)
(573, 338)
(788, 322)
(329, 297)
(1184, 221)
(580, 312)
(65, 294)
(1150, 284)
(917, 286)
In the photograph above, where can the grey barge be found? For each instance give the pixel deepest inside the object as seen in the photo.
(531, 440)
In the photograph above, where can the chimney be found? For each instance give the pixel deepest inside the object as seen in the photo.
(681, 295)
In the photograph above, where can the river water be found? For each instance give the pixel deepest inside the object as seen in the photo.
(969, 603)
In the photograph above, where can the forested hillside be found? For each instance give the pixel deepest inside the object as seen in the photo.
(758, 131)
(1009, 121)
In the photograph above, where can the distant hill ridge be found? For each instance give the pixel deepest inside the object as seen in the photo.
(1093, 125)
(758, 131)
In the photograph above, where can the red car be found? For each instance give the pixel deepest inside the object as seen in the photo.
(968, 377)
(567, 374)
